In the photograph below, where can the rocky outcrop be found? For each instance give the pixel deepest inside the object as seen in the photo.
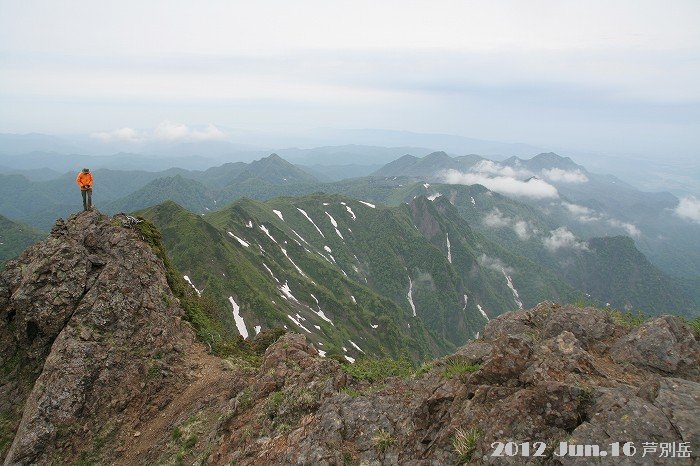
(91, 342)
(549, 374)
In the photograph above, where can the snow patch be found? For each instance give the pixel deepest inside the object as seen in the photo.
(432, 197)
(270, 272)
(355, 346)
(347, 207)
(249, 224)
(335, 225)
(187, 279)
(350, 360)
(284, 251)
(257, 329)
(368, 204)
(478, 306)
(373, 325)
(473, 201)
(243, 242)
(323, 316)
(267, 232)
(327, 249)
(312, 222)
(449, 248)
(240, 323)
(352, 298)
(516, 296)
(298, 323)
(410, 296)
(321, 353)
(287, 292)
(279, 214)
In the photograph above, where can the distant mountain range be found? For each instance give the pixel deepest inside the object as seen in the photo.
(568, 236)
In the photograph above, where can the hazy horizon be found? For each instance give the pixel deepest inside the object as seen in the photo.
(596, 77)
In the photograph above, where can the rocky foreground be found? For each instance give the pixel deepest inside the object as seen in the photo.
(99, 367)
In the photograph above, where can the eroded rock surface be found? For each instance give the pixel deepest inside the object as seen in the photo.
(91, 341)
(547, 374)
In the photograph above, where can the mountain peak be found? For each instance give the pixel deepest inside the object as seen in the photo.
(548, 160)
(103, 316)
(439, 155)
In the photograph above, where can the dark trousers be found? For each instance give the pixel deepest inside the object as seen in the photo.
(87, 198)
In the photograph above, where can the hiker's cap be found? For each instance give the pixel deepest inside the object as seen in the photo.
(86, 170)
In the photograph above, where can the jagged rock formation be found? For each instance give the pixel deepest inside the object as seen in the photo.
(91, 341)
(98, 366)
(548, 374)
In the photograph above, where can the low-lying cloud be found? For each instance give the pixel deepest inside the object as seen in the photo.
(168, 131)
(496, 219)
(495, 264)
(118, 135)
(562, 238)
(533, 188)
(164, 132)
(689, 208)
(586, 215)
(558, 175)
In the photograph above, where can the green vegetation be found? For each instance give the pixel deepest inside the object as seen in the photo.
(15, 238)
(628, 318)
(458, 366)
(284, 409)
(695, 324)
(382, 440)
(201, 312)
(373, 370)
(465, 442)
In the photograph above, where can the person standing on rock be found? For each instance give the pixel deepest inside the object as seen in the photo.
(84, 180)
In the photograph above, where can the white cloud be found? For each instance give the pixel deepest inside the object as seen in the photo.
(565, 176)
(533, 188)
(118, 135)
(577, 209)
(167, 131)
(495, 219)
(522, 229)
(562, 238)
(494, 168)
(495, 264)
(689, 209)
(631, 229)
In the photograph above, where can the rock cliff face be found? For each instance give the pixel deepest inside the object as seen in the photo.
(99, 367)
(91, 341)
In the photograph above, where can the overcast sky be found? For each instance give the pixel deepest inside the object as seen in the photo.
(590, 75)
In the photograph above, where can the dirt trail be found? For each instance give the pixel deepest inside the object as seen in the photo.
(209, 389)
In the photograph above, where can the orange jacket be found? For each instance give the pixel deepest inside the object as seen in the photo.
(84, 180)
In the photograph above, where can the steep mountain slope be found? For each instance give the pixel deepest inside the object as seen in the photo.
(265, 277)
(525, 231)
(422, 257)
(14, 238)
(189, 193)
